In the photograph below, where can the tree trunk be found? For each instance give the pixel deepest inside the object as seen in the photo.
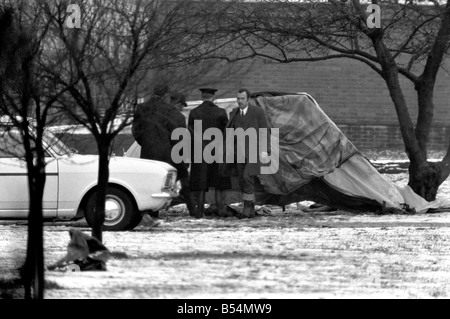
(446, 165)
(425, 114)
(102, 186)
(425, 178)
(33, 270)
(390, 75)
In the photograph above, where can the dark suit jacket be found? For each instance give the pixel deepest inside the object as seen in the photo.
(254, 118)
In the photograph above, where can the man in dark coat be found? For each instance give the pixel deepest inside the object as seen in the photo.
(152, 127)
(204, 175)
(247, 117)
(153, 124)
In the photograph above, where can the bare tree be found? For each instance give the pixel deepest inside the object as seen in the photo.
(26, 99)
(411, 40)
(117, 45)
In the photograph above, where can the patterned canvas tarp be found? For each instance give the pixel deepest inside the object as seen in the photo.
(310, 144)
(317, 162)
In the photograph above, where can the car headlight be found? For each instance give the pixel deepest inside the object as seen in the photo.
(170, 181)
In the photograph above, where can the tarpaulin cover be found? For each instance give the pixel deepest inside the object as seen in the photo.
(317, 162)
(310, 144)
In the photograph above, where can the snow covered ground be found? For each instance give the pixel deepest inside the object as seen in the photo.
(292, 254)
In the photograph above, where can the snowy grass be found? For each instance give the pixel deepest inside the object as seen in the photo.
(382, 156)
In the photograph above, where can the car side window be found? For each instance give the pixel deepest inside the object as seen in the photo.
(11, 145)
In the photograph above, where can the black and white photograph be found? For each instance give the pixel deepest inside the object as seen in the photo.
(224, 155)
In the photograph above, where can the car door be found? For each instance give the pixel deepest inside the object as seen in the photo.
(14, 193)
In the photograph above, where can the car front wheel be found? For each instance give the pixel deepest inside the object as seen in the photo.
(120, 211)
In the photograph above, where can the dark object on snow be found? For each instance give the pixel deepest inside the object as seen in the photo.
(83, 253)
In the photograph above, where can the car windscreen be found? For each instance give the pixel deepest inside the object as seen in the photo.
(56, 144)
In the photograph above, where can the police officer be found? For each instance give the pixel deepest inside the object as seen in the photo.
(204, 175)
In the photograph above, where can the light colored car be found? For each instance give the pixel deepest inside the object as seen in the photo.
(135, 185)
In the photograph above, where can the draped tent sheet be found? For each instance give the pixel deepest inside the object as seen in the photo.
(311, 146)
(357, 177)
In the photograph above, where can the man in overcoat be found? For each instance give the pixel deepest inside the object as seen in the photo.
(152, 127)
(204, 175)
(153, 124)
(247, 117)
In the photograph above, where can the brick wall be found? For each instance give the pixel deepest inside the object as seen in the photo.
(352, 94)
(382, 137)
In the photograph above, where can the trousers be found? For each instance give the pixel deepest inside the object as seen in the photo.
(246, 182)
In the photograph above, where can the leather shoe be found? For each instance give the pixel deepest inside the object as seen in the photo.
(249, 210)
